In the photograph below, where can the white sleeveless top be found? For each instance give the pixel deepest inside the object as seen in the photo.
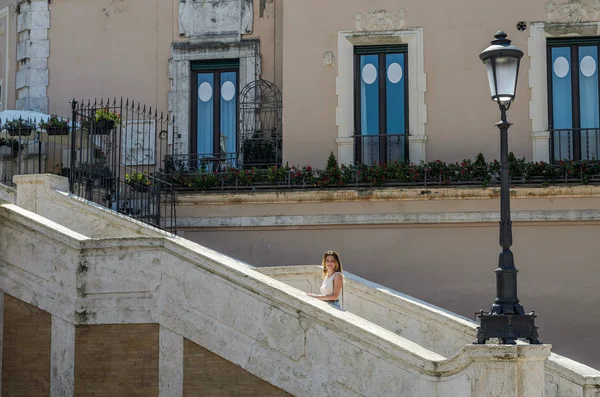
(327, 286)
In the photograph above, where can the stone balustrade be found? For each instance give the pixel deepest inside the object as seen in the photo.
(430, 326)
(266, 327)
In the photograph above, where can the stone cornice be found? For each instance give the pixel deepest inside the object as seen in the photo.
(345, 220)
(387, 194)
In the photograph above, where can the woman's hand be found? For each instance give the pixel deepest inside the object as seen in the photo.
(313, 295)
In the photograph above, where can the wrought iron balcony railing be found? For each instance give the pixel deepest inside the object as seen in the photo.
(253, 153)
(380, 149)
(574, 144)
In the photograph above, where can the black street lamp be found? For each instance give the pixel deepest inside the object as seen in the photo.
(506, 320)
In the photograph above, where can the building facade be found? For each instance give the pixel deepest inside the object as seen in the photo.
(376, 81)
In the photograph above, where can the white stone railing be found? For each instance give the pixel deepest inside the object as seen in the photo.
(47, 195)
(429, 326)
(272, 330)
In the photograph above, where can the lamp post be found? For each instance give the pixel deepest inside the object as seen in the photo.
(506, 319)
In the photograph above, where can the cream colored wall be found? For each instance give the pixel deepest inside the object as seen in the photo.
(106, 49)
(268, 28)
(460, 114)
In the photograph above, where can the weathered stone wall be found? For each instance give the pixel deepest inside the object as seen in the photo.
(7, 194)
(47, 195)
(26, 350)
(116, 360)
(207, 374)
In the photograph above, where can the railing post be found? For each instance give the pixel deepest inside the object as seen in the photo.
(37, 131)
(73, 142)
(158, 184)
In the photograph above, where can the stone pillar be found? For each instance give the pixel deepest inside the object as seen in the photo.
(33, 51)
(170, 364)
(62, 359)
(510, 371)
(31, 189)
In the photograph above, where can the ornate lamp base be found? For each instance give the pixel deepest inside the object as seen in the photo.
(507, 327)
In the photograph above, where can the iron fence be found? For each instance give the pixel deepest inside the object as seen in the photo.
(574, 144)
(381, 148)
(26, 147)
(117, 156)
(113, 153)
(432, 174)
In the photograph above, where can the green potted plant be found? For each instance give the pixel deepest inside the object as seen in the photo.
(105, 120)
(138, 181)
(11, 146)
(55, 125)
(18, 127)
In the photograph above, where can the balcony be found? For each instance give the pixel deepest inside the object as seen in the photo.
(574, 144)
(381, 149)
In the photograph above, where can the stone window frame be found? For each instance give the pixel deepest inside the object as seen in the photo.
(538, 77)
(417, 86)
(182, 55)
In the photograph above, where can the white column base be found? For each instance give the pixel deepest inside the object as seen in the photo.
(345, 150)
(416, 148)
(541, 146)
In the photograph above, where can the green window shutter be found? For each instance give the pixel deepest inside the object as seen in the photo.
(554, 42)
(379, 49)
(216, 64)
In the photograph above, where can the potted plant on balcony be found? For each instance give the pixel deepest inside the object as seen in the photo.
(55, 125)
(18, 127)
(104, 121)
(138, 181)
(10, 147)
(258, 151)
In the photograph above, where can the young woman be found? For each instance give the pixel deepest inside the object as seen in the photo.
(332, 279)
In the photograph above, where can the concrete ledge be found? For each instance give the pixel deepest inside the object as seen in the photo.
(385, 219)
(378, 194)
(46, 194)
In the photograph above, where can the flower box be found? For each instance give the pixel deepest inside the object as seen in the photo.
(136, 187)
(57, 130)
(24, 131)
(102, 127)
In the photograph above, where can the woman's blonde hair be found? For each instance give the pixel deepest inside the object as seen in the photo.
(336, 256)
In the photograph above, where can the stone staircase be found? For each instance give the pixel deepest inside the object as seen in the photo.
(88, 266)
